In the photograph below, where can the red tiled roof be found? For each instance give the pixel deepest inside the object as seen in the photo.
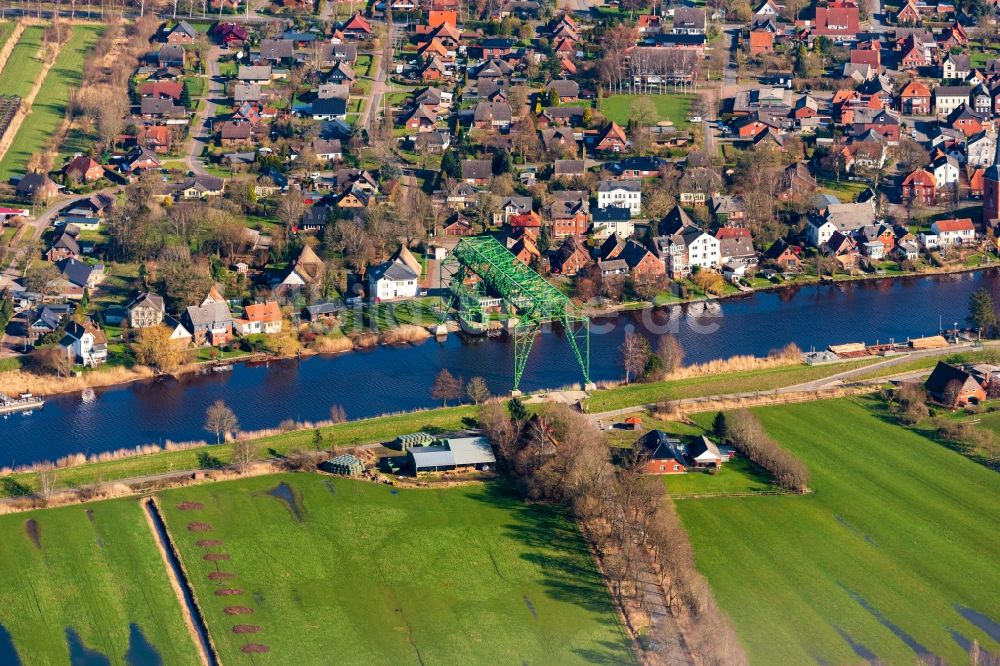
(964, 224)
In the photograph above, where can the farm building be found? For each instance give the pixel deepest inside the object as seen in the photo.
(457, 453)
(344, 464)
(953, 386)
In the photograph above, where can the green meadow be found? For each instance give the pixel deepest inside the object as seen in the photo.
(358, 573)
(892, 557)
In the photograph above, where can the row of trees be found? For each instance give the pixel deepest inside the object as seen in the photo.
(640, 361)
(561, 457)
(747, 435)
(450, 387)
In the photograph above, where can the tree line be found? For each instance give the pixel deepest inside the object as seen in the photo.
(559, 456)
(747, 435)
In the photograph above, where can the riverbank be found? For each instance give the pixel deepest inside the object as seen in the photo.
(151, 461)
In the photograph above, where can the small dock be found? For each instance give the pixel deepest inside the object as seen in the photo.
(25, 402)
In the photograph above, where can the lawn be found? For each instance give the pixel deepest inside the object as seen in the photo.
(372, 574)
(739, 475)
(888, 559)
(22, 68)
(676, 108)
(96, 572)
(49, 109)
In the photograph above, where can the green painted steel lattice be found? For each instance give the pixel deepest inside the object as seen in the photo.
(534, 300)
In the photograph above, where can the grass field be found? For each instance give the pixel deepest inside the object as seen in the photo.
(362, 573)
(888, 558)
(96, 571)
(676, 108)
(49, 109)
(6, 29)
(22, 68)
(734, 382)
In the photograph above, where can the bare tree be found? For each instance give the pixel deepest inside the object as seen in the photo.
(477, 390)
(634, 354)
(446, 387)
(220, 419)
(47, 480)
(671, 353)
(244, 454)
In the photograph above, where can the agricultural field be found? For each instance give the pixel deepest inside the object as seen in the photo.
(893, 557)
(85, 581)
(49, 108)
(6, 30)
(22, 68)
(317, 567)
(675, 108)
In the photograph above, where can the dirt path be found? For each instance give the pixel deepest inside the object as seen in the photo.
(8, 48)
(182, 588)
(22, 113)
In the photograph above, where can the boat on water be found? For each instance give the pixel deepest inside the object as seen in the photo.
(24, 402)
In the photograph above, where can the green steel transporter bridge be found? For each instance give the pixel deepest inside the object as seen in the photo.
(482, 271)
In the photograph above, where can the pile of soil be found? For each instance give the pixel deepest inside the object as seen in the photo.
(199, 527)
(237, 610)
(215, 557)
(254, 647)
(190, 506)
(221, 575)
(246, 629)
(227, 592)
(208, 543)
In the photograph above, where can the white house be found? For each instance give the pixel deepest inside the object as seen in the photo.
(394, 279)
(85, 344)
(624, 193)
(819, 231)
(262, 318)
(954, 232)
(945, 170)
(980, 150)
(702, 248)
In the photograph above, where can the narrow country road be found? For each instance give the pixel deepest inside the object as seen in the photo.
(201, 132)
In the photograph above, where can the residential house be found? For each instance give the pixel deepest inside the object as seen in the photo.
(728, 210)
(954, 232)
(915, 99)
(949, 98)
(171, 55)
(637, 167)
(661, 454)
(796, 181)
(736, 246)
(327, 150)
(571, 257)
(840, 21)
(511, 206)
(838, 217)
(46, 320)
(953, 387)
(980, 150)
(200, 186)
(920, 186)
(146, 310)
(567, 90)
(209, 323)
(35, 187)
(781, 254)
(643, 265)
(612, 221)
(477, 172)
(157, 138)
(702, 249)
(65, 247)
(569, 213)
(946, 172)
(85, 343)
(83, 169)
(612, 139)
(259, 318)
(689, 21)
(181, 33)
(139, 159)
(955, 66)
(356, 27)
(492, 115)
(396, 278)
(624, 193)
(277, 50)
(333, 108)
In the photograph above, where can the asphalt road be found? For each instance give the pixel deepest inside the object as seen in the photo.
(201, 133)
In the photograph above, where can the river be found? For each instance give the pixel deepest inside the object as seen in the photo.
(388, 379)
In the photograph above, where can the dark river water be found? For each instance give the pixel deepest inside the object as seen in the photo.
(388, 379)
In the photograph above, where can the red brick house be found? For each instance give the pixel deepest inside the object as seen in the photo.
(920, 187)
(83, 169)
(661, 454)
(781, 254)
(840, 21)
(612, 139)
(915, 99)
(908, 15)
(761, 42)
(953, 387)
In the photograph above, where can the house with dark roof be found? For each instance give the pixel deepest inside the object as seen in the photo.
(567, 90)
(477, 172)
(85, 343)
(210, 322)
(277, 50)
(396, 278)
(953, 387)
(661, 454)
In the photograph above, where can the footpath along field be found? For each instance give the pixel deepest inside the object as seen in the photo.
(313, 569)
(49, 108)
(84, 580)
(893, 557)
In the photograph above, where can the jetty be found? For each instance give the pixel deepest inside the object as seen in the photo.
(22, 403)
